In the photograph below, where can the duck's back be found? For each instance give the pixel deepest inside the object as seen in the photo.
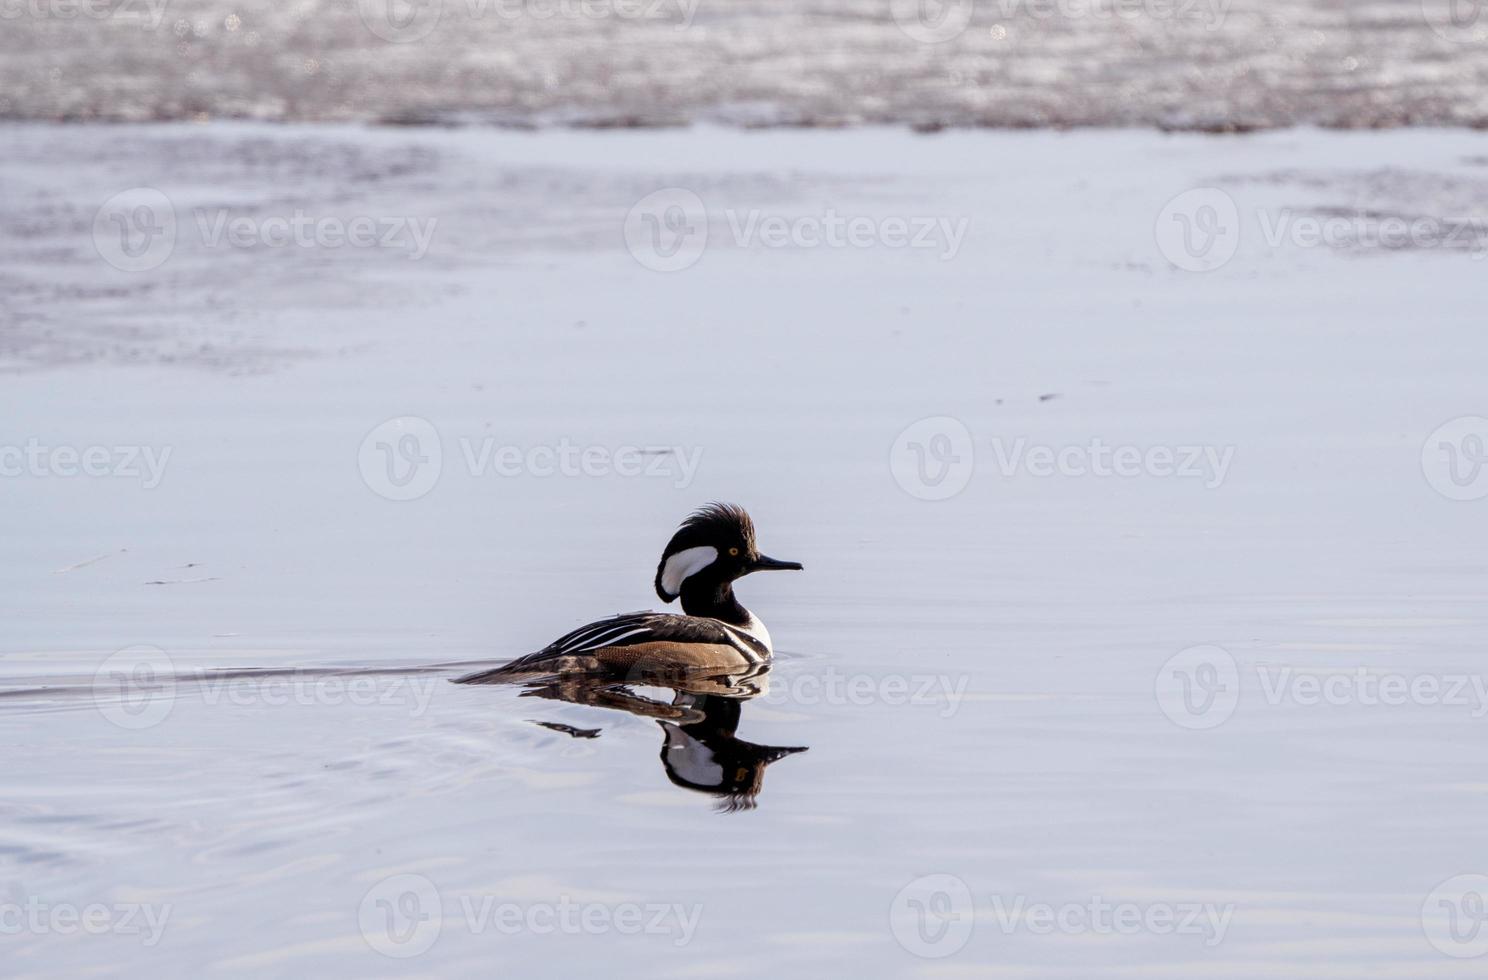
(636, 644)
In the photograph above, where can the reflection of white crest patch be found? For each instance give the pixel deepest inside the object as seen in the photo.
(683, 564)
(691, 759)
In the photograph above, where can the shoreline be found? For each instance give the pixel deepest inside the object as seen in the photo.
(1203, 65)
(456, 121)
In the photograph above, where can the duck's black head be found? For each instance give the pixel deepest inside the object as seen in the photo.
(712, 548)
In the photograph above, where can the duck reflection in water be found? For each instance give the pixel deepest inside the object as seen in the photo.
(699, 750)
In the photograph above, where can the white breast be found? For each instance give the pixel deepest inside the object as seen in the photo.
(756, 629)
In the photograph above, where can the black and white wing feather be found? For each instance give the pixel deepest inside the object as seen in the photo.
(609, 640)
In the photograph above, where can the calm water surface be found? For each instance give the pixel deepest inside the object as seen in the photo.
(293, 784)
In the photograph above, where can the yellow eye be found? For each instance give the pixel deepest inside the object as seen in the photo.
(733, 552)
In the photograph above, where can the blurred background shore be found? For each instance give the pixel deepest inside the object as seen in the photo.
(1216, 65)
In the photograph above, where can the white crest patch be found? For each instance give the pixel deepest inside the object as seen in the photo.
(684, 563)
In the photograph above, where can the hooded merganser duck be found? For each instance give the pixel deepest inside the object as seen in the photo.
(716, 634)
